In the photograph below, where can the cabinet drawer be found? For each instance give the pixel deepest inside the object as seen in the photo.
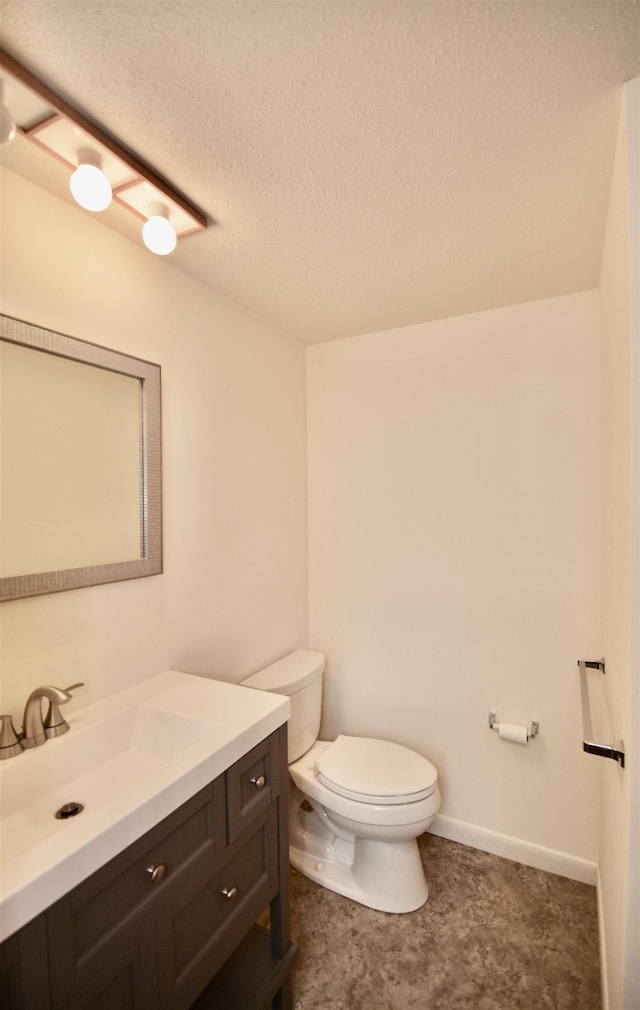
(87, 927)
(210, 913)
(253, 783)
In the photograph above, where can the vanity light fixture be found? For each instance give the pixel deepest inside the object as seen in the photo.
(53, 125)
(89, 185)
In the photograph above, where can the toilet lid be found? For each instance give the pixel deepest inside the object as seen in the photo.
(375, 771)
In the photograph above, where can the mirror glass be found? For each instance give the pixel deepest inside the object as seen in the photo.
(79, 463)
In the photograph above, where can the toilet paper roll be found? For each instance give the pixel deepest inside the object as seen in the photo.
(516, 734)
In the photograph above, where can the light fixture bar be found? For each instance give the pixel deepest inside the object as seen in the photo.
(135, 184)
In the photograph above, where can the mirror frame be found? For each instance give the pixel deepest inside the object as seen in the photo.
(150, 563)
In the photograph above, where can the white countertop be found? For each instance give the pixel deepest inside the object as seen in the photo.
(130, 759)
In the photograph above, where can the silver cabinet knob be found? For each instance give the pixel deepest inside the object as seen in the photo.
(230, 893)
(157, 873)
(258, 781)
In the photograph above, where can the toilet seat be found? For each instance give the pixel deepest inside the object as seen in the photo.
(375, 771)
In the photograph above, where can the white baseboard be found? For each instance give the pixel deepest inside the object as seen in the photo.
(604, 989)
(517, 849)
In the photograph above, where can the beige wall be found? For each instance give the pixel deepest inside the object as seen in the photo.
(454, 555)
(618, 519)
(233, 593)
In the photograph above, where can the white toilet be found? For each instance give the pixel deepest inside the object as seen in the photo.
(357, 805)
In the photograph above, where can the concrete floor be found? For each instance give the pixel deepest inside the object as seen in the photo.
(494, 935)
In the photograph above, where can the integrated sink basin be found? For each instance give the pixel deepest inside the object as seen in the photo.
(92, 763)
(127, 761)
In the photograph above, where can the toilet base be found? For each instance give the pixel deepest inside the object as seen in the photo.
(386, 876)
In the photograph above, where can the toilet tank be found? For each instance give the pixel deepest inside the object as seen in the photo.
(298, 675)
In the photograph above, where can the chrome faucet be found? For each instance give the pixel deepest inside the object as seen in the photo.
(35, 729)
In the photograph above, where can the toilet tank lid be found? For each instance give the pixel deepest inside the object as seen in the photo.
(289, 674)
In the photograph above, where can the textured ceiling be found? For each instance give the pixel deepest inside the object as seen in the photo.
(367, 164)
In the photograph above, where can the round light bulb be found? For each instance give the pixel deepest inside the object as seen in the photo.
(89, 185)
(7, 122)
(158, 234)
(7, 125)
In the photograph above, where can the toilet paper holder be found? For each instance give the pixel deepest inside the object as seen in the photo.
(532, 731)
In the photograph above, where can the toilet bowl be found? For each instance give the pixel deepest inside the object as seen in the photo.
(359, 847)
(356, 805)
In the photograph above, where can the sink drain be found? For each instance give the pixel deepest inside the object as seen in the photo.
(69, 810)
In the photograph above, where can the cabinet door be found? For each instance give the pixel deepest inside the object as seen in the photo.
(102, 934)
(24, 982)
(209, 913)
(126, 981)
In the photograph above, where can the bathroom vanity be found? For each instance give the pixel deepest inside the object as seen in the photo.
(169, 921)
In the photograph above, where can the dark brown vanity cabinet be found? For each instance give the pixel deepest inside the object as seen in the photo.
(169, 923)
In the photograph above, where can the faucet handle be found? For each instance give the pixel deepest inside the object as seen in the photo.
(54, 723)
(9, 743)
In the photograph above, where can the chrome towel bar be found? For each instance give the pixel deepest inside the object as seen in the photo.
(588, 743)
